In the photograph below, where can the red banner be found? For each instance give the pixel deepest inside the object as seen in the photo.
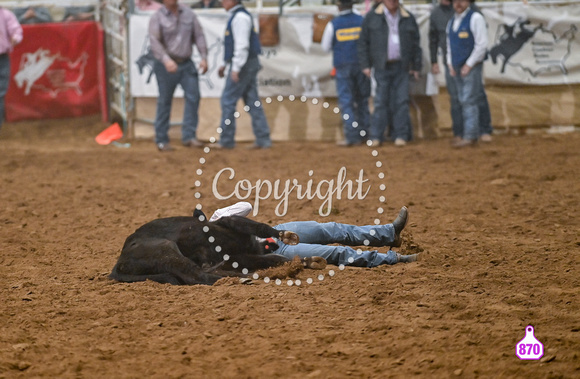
(57, 71)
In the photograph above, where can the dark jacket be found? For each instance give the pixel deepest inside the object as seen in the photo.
(438, 21)
(374, 39)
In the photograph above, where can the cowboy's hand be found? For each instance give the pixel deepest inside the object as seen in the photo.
(367, 72)
(452, 71)
(203, 66)
(435, 69)
(465, 70)
(221, 71)
(171, 66)
(235, 76)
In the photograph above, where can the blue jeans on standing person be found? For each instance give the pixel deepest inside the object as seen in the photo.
(456, 112)
(391, 103)
(469, 91)
(4, 81)
(315, 236)
(354, 90)
(485, 126)
(484, 113)
(187, 77)
(246, 88)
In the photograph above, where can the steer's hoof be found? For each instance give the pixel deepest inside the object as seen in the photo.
(315, 263)
(289, 238)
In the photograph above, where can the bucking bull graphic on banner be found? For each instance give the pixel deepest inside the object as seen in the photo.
(515, 43)
(57, 71)
(50, 73)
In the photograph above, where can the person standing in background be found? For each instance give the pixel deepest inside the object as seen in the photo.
(485, 127)
(10, 36)
(173, 30)
(390, 43)
(466, 49)
(241, 50)
(341, 35)
(32, 15)
(439, 19)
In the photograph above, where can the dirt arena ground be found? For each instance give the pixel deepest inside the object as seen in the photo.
(498, 225)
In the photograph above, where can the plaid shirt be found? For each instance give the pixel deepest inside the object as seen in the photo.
(173, 36)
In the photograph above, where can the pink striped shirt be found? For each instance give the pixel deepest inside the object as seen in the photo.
(10, 31)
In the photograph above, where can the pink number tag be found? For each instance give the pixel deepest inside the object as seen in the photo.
(529, 348)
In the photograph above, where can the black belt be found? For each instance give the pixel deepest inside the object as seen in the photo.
(179, 60)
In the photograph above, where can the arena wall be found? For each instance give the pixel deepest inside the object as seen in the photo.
(513, 109)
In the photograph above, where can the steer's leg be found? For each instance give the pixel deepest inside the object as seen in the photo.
(253, 262)
(259, 262)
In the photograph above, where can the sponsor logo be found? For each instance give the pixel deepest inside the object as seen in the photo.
(348, 34)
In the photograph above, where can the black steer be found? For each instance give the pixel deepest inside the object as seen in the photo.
(191, 250)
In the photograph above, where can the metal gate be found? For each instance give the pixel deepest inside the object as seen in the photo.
(114, 20)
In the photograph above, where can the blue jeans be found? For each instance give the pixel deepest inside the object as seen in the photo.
(469, 91)
(484, 113)
(391, 103)
(315, 236)
(457, 113)
(354, 89)
(246, 88)
(4, 81)
(186, 75)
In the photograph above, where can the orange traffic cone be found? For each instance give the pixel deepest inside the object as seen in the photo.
(112, 133)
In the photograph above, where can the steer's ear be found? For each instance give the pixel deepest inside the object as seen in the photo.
(199, 213)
